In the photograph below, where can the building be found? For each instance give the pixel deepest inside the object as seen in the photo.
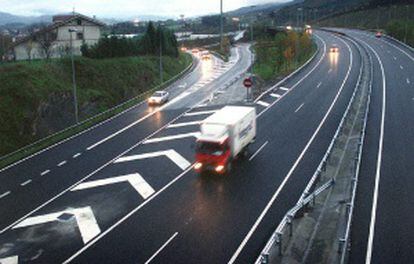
(54, 41)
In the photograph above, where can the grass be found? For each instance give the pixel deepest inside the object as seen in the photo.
(28, 88)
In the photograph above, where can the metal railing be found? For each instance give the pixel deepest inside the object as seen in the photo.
(308, 196)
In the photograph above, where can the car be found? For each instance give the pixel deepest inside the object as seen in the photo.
(378, 34)
(334, 48)
(158, 98)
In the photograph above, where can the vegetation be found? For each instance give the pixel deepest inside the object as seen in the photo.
(36, 97)
(281, 53)
(149, 44)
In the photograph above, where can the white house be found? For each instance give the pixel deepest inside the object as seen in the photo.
(54, 41)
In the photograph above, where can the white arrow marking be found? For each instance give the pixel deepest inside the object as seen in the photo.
(171, 154)
(136, 180)
(284, 88)
(184, 124)
(84, 216)
(275, 95)
(263, 103)
(167, 138)
(201, 113)
(10, 260)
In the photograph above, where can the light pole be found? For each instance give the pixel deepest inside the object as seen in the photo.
(406, 25)
(161, 68)
(75, 97)
(221, 25)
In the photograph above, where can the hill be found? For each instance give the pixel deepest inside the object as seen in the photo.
(6, 18)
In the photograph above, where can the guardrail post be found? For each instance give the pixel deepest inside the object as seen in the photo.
(341, 245)
(290, 223)
(279, 243)
(265, 258)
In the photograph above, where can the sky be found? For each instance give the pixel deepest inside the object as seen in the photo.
(124, 8)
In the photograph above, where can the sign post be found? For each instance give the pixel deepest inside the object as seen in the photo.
(248, 83)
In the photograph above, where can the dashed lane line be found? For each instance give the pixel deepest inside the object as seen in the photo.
(5, 194)
(319, 85)
(401, 67)
(26, 182)
(184, 124)
(300, 107)
(62, 163)
(258, 151)
(44, 172)
(408, 80)
(76, 155)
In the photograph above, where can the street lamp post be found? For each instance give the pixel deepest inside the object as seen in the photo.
(221, 25)
(75, 97)
(161, 66)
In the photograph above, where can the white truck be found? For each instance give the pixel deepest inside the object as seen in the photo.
(224, 135)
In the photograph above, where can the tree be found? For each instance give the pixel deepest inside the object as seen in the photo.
(46, 39)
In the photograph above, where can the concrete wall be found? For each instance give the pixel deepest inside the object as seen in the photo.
(61, 47)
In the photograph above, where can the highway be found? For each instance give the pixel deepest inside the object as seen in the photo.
(125, 191)
(383, 219)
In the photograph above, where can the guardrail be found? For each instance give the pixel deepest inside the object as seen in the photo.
(399, 42)
(92, 121)
(308, 196)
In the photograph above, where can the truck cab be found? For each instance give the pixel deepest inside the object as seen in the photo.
(213, 155)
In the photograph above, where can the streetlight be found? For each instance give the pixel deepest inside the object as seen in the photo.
(161, 66)
(221, 25)
(75, 97)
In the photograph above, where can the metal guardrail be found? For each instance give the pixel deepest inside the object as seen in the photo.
(399, 42)
(307, 197)
(38, 142)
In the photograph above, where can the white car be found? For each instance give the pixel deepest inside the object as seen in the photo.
(158, 98)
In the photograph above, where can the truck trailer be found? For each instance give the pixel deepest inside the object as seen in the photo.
(224, 135)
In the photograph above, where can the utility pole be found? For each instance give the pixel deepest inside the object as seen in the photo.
(75, 97)
(406, 25)
(161, 68)
(221, 25)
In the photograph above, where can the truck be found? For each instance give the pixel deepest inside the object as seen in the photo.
(224, 135)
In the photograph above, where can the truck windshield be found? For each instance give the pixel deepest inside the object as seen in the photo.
(210, 148)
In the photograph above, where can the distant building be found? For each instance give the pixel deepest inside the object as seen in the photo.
(54, 41)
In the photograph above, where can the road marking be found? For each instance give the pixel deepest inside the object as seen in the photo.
(10, 260)
(62, 163)
(379, 160)
(161, 248)
(330, 70)
(76, 155)
(184, 124)
(297, 109)
(135, 179)
(167, 138)
(408, 80)
(262, 103)
(85, 219)
(395, 58)
(179, 160)
(201, 113)
(123, 219)
(401, 67)
(26, 182)
(275, 95)
(257, 152)
(284, 88)
(44, 173)
(5, 194)
(293, 168)
(319, 85)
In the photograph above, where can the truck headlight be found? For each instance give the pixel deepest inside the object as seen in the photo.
(198, 165)
(219, 168)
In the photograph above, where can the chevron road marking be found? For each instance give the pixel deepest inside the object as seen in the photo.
(84, 216)
(9, 260)
(167, 138)
(275, 95)
(284, 88)
(171, 154)
(184, 124)
(262, 103)
(201, 113)
(135, 179)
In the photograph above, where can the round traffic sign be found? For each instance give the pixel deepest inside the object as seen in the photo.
(248, 82)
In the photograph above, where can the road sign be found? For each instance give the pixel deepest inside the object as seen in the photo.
(248, 82)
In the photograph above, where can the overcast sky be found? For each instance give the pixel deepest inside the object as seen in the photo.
(124, 8)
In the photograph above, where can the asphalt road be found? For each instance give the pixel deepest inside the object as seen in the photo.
(134, 198)
(383, 219)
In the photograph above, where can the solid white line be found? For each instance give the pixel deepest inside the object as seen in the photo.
(168, 138)
(287, 177)
(184, 124)
(379, 160)
(408, 80)
(26, 182)
(44, 173)
(161, 248)
(401, 67)
(257, 152)
(135, 179)
(201, 113)
(262, 103)
(297, 109)
(284, 88)
(403, 51)
(123, 219)
(275, 95)
(76, 155)
(5, 194)
(319, 85)
(179, 160)
(62, 163)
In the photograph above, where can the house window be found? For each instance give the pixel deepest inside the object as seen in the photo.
(79, 22)
(79, 35)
